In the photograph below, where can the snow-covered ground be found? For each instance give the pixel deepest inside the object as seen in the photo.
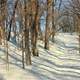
(61, 62)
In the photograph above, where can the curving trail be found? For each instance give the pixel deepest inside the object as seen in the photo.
(61, 62)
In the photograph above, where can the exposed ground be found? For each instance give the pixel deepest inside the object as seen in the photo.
(61, 62)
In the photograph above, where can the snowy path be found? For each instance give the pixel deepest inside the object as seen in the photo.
(56, 64)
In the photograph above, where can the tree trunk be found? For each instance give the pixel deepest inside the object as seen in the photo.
(53, 26)
(13, 15)
(48, 23)
(34, 33)
(26, 34)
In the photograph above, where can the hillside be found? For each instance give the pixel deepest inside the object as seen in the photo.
(61, 62)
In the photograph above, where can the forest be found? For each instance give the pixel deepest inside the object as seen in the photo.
(39, 39)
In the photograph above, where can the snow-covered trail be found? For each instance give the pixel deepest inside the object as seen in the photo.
(61, 62)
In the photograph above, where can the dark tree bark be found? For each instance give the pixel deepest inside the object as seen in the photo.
(53, 26)
(26, 34)
(34, 28)
(48, 25)
(13, 15)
